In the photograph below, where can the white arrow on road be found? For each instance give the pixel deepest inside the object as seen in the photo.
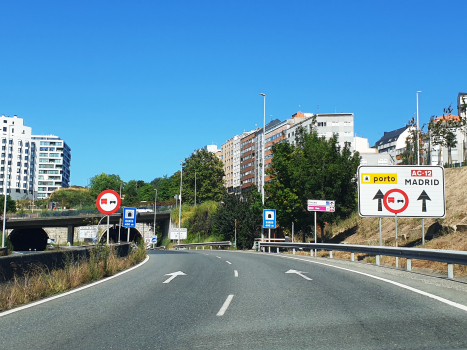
(173, 275)
(300, 273)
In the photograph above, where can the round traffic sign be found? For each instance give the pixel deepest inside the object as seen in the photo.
(396, 201)
(154, 240)
(108, 202)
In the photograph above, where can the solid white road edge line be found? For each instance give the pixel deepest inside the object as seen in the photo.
(71, 291)
(235, 273)
(225, 306)
(415, 290)
(228, 262)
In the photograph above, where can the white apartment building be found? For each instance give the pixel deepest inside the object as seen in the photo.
(53, 164)
(23, 167)
(328, 124)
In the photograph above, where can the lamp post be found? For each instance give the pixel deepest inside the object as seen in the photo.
(418, 136)
(155, 210)
(262, 159)
(180, 201)
(195, 188)
(5, 178)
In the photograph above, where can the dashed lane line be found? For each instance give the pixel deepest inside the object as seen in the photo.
(225, 306)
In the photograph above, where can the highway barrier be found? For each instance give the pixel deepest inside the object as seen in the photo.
(447, 256)
(203, 244)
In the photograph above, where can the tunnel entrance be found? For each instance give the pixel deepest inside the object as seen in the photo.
(113, 235)
(28, 239)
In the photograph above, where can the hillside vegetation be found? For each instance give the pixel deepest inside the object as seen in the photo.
(448, 233)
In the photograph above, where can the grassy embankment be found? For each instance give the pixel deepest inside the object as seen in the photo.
(41, 283)
(447, 233)
(198, 219)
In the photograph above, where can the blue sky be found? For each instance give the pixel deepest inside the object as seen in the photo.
(133, 87)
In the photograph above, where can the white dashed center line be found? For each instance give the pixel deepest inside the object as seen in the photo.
(225, 306)
(236, 273)
(228, 262)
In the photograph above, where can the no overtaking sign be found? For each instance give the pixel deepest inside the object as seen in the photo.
(405, 191)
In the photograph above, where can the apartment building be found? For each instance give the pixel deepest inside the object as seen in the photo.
(439, 154)
(462, 104)
(327, 125)
(24, 168)
(248, 159)
(53, 164)
(227, 152)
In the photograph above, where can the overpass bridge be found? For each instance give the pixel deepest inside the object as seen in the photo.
(28, 231)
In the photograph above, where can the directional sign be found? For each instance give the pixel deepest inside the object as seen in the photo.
(269, 218)
(129, 217)
(321, 205)
(154, 240)
(300, 273)
(108, 202)
(405, 191)
(176, 232)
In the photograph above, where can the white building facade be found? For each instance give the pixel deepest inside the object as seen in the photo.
(20, 161)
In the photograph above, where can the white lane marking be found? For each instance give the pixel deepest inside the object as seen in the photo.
(218, 257)
(228, 262)
(235, 273)
(415, 290)
(300, 273)
(206, 254)
(173, 275)
(225, 306)
(71, 291)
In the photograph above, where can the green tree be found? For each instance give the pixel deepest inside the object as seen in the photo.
(10, 204)
(167, 187)
(104, 182)
(247, 210)
(314, 168)
(209, 178)
(73, 197)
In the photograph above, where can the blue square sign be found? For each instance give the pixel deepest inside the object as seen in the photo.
(269, 218)
(129, 217)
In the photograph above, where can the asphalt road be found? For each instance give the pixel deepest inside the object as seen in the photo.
(325, 307)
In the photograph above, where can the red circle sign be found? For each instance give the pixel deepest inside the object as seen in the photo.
(108, 202)
(393, 204)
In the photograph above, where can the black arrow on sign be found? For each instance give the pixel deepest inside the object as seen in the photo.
(423, 197)
(379, 196)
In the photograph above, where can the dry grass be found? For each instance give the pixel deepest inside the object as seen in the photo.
(41, 283)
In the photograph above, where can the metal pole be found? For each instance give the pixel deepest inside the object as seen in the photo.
(195, 187)
(263, 148)
(108, 228)
(315, 232)
(5, 177)
(292, 230)
(418, 136)
(423, 231)
(155, 210)
(128, 235)
(269, 239)
(180, 201)
(380, 234)
(397, 259)
(235, 233)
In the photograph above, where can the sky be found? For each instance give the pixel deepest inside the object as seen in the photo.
(133, 87)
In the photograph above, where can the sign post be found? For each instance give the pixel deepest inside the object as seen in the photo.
(129, 220)
(269, 222)
(321, 205)
(108, 202)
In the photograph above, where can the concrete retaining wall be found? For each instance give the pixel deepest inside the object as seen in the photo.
(22, 264)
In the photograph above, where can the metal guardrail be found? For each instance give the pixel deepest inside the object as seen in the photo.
(447, 256)
(204, 244)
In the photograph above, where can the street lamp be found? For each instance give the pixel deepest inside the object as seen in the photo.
(155, 210)
(5, 178)
(418, 136)
(263, 150)
(180, 201)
